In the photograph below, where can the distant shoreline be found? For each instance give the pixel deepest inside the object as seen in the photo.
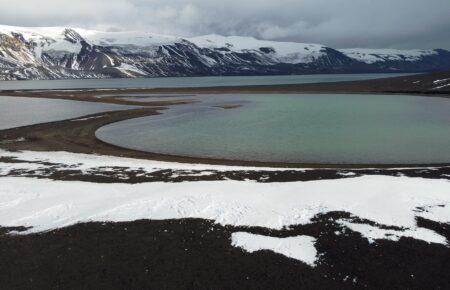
(418, 84)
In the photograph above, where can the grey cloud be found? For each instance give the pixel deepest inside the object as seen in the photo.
(339, 23)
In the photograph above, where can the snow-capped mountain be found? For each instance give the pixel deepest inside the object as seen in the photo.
(58, 52)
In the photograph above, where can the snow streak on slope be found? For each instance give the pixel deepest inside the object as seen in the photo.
(371, 56)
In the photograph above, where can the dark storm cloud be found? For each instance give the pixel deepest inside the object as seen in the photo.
(339, 23)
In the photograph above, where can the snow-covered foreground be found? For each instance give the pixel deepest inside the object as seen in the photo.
(374, 202)
(47, 204)
(86, 162)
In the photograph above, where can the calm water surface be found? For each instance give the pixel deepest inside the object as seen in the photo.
(17, 112)
(174, 82)
(309, 128)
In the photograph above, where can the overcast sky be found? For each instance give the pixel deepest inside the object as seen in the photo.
(337, 23)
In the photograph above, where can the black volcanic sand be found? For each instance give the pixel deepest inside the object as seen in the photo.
(197, 254)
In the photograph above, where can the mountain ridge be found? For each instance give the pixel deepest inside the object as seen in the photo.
(62, 52)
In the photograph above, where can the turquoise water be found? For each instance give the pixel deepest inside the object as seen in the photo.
(177, 82)
(304, 128)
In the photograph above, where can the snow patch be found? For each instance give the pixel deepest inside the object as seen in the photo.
(373, 233)
(300, 247)
(130, 70)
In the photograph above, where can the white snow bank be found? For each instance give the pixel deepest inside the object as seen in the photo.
(86, 162)
(300, 248)
(393, 201)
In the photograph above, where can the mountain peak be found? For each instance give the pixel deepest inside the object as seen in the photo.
(72, 36)
(63, 52)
